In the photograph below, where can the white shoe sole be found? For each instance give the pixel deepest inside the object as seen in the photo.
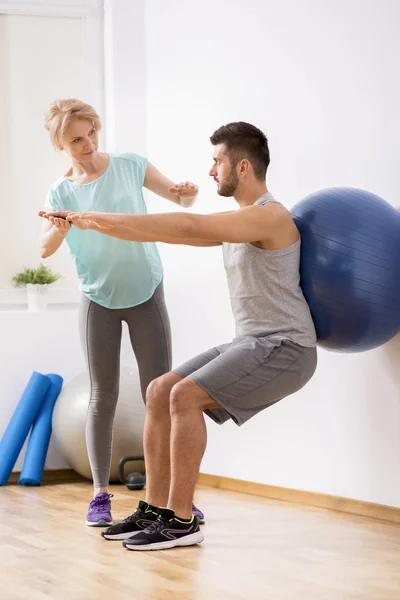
(101, 523)
(188, 540)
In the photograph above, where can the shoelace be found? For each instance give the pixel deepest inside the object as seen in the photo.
(136, 515)
(100, 501)
(157, 525)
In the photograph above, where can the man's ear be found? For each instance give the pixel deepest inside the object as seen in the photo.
(244, 166)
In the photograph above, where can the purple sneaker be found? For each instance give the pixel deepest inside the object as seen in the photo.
(197, 512)
(99, 513)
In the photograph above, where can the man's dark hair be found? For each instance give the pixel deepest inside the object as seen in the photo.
(243, 140)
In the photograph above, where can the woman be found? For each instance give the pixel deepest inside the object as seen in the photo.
(119, 280)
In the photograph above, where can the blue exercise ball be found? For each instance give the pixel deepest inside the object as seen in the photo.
(350, 267)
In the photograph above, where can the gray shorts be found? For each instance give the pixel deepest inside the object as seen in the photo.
(249, 374)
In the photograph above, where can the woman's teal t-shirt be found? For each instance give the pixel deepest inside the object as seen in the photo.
(113, 273)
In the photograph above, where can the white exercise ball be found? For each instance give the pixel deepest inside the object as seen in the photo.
(69, 423)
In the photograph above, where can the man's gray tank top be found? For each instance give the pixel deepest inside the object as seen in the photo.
(264, 287)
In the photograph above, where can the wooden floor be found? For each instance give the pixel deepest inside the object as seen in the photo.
(253, 549)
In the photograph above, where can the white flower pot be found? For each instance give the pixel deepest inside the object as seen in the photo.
(37, 297)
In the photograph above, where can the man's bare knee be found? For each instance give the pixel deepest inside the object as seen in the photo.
(159, 390)
(186, 395)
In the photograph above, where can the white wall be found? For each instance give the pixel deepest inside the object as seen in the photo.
(125, 80)
(320, 78)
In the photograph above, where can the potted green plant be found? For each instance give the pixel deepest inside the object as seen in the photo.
(36, 282)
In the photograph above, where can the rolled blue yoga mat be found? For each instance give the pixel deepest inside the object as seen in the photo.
(35, 456)
(14, 436)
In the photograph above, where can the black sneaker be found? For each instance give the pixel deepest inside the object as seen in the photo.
(142, 518)
(166, 532)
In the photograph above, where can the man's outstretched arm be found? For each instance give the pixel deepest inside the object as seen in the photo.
(249, 224)
(123, 233)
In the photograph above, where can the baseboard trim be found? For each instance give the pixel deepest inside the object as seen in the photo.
(53, 476)
(337, 503)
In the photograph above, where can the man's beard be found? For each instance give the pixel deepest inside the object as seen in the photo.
(228, 187)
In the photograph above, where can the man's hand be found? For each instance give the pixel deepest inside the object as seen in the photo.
(92, 220)
(186, 192)
(59, 222)
(63, 221)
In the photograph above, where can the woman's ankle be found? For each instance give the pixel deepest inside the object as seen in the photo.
(99, 490)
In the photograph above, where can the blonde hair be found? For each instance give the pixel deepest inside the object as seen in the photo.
(61, 113)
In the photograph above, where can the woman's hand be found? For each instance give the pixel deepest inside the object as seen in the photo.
(186, 192)
(57, 220)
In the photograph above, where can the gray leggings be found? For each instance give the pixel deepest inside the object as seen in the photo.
(100, 330)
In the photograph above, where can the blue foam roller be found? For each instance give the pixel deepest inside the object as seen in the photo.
(20, 423)
(35, 457)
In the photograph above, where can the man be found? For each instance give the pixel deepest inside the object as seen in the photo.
(273, 354)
